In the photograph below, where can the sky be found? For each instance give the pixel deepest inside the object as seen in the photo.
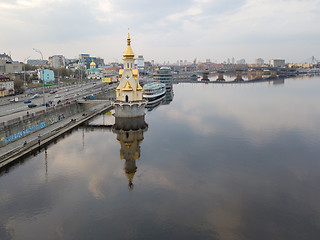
(163, 30)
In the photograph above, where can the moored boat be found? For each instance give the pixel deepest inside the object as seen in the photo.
(154, 92)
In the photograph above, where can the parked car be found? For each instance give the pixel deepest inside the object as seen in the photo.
(32, 105)
(27, 101)
(57, 96)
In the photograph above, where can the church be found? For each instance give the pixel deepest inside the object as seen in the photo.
(129, 101)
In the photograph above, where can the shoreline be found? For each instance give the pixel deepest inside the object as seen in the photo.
(17, 150)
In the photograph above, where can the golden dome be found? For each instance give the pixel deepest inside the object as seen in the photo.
(92, 63)
(128, 53)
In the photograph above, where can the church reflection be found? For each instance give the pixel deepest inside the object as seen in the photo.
(130, 135)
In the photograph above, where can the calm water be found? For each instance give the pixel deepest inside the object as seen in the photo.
(229, 161)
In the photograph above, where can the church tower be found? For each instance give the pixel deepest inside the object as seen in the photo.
(129, 101)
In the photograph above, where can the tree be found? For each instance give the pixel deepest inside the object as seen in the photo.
(29, 67)
(18, 85)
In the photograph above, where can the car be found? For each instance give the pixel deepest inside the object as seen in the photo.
(57, 96)
(14, 100)
(27, 101)
(53, 92)
(32, 105)
(35, 96)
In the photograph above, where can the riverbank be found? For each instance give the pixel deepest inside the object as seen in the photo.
(23, 146)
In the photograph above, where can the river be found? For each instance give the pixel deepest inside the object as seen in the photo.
(219, 161)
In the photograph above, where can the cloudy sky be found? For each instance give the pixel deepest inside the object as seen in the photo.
(163, 30)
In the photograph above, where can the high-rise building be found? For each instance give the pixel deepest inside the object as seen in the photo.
(241, 61)
(277, 62)
(57, 61)
(259, 61)
(140, 63)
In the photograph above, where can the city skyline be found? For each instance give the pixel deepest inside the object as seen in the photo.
(162, 31)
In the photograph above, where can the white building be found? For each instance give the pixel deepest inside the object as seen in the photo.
(57, 61)
(259, 61)
(241, 61)
(277, 62)
(140, 63)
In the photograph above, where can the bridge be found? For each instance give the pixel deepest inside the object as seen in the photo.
(253, 73)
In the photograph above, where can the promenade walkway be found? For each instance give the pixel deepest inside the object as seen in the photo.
(17, 148)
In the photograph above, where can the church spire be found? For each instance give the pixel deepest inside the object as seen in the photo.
(128, 53)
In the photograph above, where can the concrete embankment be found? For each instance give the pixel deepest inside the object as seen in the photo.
(23, 135)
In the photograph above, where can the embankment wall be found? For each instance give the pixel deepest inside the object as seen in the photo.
(17, 128)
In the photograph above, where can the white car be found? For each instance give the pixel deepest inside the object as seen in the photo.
(35, 96)
(57, 96)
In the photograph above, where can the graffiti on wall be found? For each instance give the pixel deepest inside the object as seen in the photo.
(24, 132)
(56, 119)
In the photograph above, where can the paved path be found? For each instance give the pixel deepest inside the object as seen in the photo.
(13, 150)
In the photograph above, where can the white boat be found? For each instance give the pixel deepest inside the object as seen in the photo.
(154, 92)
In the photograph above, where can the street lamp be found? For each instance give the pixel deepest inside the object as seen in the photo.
(24, 72)
(38, 51)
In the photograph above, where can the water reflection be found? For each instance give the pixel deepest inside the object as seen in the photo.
(167, 99)
(235, 161)
(130, 135)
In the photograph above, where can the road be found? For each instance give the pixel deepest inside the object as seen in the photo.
(10, 110)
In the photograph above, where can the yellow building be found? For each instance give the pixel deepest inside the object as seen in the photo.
(129, 101)
(129, 88)
(6, 86)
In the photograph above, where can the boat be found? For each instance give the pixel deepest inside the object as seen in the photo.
(154, 92)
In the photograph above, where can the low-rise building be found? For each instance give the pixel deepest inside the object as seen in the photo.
(37, 62)
(10, 66)
(6, 86)
(46, 75)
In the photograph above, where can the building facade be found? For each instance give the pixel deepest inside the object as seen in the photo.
(140, 63)
(46, 75)
(129, 101)
(6, 86)
(277, 62)
(9, 66)
(37, 62)
(259, 61)
(57, 61)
